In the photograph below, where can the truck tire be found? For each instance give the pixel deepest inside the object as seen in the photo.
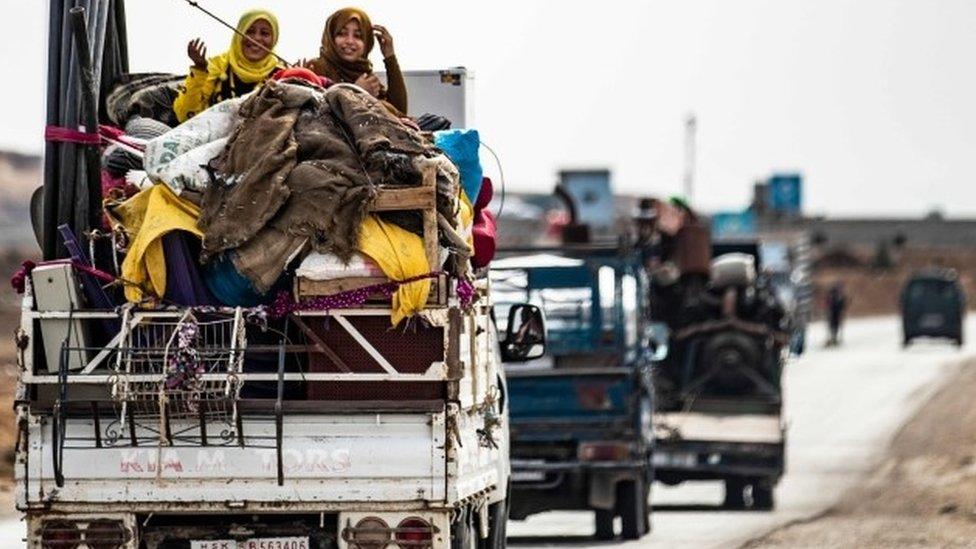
(762, 497)
(734, 494)
(604, 524)
(632, 503)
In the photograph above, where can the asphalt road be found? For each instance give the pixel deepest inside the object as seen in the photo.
(843, 405)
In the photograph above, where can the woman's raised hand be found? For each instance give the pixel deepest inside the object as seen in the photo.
(370, 83)
(385, 40)
(197, 51)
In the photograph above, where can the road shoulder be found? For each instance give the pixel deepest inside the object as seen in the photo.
(922, 492)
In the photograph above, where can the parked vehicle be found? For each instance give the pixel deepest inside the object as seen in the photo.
(933, 305)
(581, 417)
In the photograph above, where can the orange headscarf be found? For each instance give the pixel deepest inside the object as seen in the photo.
(329, 63)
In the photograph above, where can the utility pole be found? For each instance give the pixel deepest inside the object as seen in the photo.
(691, 128)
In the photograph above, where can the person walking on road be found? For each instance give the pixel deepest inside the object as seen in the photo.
(836, 306)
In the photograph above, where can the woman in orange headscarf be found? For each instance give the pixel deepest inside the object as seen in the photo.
(347, 40)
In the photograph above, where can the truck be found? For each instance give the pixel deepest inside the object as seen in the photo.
(581, 416)
(205, 427)
(719, 400)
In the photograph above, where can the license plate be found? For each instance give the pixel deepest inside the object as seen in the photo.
(256, 543)
(685, 460)
(528, 476)
(932, 321)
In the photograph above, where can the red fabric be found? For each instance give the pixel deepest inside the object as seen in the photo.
(59, 134)
(304, 74)
(19, 279)
(67, 135)
(485, 230)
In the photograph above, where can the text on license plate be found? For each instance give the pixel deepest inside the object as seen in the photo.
(258, 543)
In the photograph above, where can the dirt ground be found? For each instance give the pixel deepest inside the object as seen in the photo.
(875, 291)
(923, 493)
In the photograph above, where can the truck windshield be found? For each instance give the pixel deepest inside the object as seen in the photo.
(587, 309)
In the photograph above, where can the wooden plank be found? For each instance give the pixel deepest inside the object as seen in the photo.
(311, 288)
(308, 287)
(431, 244)
(412, 198)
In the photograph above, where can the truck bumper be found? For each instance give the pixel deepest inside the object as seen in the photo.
(539, 486)
(679, 461)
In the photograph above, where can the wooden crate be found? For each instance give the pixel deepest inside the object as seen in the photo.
(422, 198)
(305, 288)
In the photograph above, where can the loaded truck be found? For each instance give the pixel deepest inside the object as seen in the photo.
(150, 424)
(718, 394)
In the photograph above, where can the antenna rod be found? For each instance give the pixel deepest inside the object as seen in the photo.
(691, 126)
(237, 32)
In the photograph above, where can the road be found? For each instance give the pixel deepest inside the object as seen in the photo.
(843, 405)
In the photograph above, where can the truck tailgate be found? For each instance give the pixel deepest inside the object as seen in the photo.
(576, 399)
(385, 457)
(719, 428)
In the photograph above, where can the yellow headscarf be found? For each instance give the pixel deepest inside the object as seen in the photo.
(252, 71)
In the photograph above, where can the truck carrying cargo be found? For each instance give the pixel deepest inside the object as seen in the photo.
(718, 395)
(323, 396)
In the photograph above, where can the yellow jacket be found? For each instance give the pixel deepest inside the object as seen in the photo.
(202, 88)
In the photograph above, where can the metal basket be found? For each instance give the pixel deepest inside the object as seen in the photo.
(177, 377)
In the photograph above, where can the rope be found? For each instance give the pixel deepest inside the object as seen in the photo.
(67, 135)
(106, 134)
(239, 33)
(501, 177)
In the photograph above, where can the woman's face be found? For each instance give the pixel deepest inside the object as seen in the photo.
(261, 32)
(349, 42)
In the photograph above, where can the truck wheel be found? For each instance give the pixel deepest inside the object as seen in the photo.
(734, 494)
(762, 497)
(632, 503)
(604, 525)
(497, 526)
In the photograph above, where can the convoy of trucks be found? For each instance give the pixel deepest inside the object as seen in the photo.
(631, 355)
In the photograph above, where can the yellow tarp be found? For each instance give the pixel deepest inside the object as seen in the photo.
(400, 255)
(147, 217)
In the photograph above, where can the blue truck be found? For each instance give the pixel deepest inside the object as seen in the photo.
(581, 417)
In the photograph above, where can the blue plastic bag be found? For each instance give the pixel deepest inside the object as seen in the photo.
(461, 146)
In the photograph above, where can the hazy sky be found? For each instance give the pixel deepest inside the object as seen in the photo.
(874, 101)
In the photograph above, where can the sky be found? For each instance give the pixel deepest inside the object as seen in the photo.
(873, 101)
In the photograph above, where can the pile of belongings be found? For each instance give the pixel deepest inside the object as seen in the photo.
(255, 185)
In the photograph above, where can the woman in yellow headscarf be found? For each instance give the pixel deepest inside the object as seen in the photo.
(233, 73)
(347, 40)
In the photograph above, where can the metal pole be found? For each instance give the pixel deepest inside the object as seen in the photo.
(691, 128)
(89, 172)
(51, 175)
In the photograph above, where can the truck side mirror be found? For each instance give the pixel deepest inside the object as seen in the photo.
(656, 341)
(525, 335)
